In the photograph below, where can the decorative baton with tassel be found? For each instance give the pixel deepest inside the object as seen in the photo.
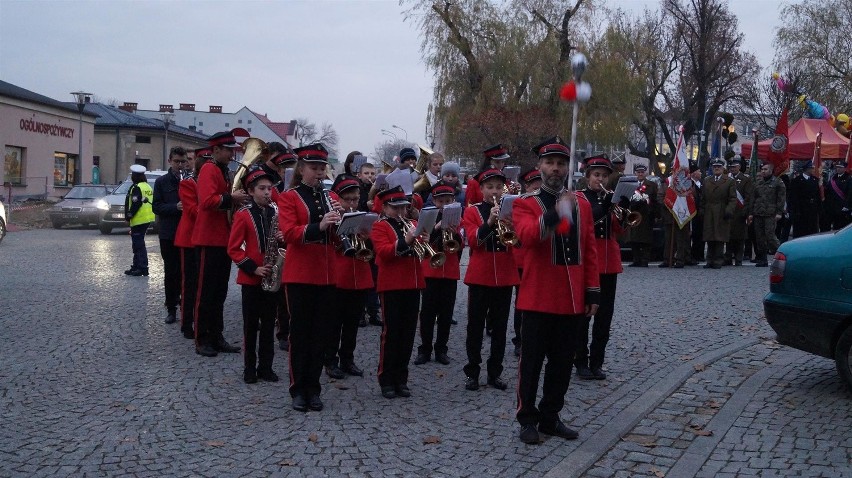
(575, 91)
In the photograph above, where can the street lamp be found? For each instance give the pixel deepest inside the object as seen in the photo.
(167, 119)
(404, 131)
(390, 133)
(82, 98)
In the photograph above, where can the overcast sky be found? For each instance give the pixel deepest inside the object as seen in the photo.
(353, 63)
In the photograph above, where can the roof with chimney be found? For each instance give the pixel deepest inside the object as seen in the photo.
(111, 116)
(281, 129)
(12, 91)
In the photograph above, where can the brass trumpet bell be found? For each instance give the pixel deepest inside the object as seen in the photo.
(451, 246)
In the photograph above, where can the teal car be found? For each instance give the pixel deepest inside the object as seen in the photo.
(809, 304)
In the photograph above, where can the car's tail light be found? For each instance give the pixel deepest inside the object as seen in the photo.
(776, 270)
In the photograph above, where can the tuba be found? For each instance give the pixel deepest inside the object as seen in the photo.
(423, 249)
(274, 256)
(420, 168)
(254, 152)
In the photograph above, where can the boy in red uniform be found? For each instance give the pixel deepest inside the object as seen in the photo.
(559, 288)
(210, 237)
(250, 236)
(399, 283)
(352, 280)
(439, 297)
(491, 275)
(188, 193)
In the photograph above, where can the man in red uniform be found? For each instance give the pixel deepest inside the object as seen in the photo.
(188, 193)
(494, 158)
(560, 287)
(210, 237)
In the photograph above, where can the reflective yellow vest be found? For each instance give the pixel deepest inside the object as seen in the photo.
(145, 214)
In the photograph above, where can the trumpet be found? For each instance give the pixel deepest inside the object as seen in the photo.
(362, 252)
(623, 214)
(451, 245)
(505, 232)
(422, 249)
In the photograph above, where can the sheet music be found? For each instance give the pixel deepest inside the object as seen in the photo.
(350, 223)
(359, 161)
(512, 173)
(367, 221)
(426, 220)
(451, 216)
(288, 177)
(401, 177)
(506, 205)
(381, 181)
(626, 187)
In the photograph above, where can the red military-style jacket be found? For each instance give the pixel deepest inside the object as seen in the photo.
(560, 269)
(472, 193)
(607, 229)
(188, 194)
(491, 263)
(351, 273)
(399, 268)
(214, 202)
(310, 252)
(247, 243)
(451, 268)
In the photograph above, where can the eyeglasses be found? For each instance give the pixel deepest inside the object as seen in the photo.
(179, 161)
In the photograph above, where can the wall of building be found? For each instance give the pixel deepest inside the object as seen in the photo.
(32, 135)
(118, 149)
(210, 123)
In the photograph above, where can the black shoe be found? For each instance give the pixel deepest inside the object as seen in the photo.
(223, 346)
(352, 369)
(315, 403)
(284, 345)
(488, 332)
(188, 334)
(144, 271)
(517, 350)
(529, 435)
(333, 371)
(206, 350)
(454, 322)
(678, 265)
(633, 264)
(691, 263)
(762, 264)
(738, 263)
(643, 264)
(598, 374)
(663, 265)
(376, 321)
(300, 404)
(402, 391)
(267, 375)
(711, 266)
(585, 373)
(250, 376)
(422, 358)
(170, 318)
(388, 391)
(471, 383)
(442, 358)
(362, 322)
(558, 429)
(498, 383)
(133, 272)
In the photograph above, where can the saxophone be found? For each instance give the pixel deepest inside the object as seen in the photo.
(274, 256)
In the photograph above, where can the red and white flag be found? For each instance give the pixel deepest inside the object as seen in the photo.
(679, 199)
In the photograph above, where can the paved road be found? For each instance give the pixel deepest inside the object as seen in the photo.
(697, 387)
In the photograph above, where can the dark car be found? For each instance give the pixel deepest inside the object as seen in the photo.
(809, 304)
(79, 206)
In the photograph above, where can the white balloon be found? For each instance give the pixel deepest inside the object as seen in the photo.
(578, 65)
(584, 92)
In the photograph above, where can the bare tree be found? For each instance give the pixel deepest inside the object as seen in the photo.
(309, 133)
(387, 150)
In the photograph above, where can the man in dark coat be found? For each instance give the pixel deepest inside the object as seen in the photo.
(805, 202)
(718, 200)
(641, 237)
(838, 197)
(168, 207)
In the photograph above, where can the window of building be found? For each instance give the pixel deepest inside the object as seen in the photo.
(63, 169)
(249, 121)
(249, 130)
(240, 121)
(192, 127)
(143, 139)
(201, 123)
(13, 166)
(227, 125)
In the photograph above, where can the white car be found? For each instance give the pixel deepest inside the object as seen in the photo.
(112, 205)
(3, 219)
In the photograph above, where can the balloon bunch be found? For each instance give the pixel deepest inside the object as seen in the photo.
(577, 90)
(811, 108)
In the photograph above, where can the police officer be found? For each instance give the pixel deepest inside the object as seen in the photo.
(168, 207)
(805, 202)
(838, 200)
(138, 211)
(767, 209)
(739, 230)
(718, 200)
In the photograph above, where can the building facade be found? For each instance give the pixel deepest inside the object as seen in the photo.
(40, 137)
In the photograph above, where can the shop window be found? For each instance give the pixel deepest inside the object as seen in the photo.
(13, 166)
(63, 169)
(143, 139)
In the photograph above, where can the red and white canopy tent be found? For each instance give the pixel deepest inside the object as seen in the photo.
(802, 136)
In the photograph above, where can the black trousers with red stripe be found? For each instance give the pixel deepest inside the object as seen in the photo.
(312, 312)
(188, 289)
(258, 320)
(344, 327)
(553, 337)
(487, 305)
(282, 314)
(214, 272)
(399, 310)
(439, 301)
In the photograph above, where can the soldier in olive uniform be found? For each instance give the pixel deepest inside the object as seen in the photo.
(718, 200)
(739, 229)
(768, 207)
(642, 236)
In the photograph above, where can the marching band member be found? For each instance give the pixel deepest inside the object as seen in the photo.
(254, 230)
(352, 279)
(495, 158)
(491, 275)
(530, 182)
(589, 360)
(399, 283)
(439, 296)
(210, 237)
(188, 193)
(305, 216)
(560, 287)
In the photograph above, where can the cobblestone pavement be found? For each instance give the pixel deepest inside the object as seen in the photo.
(93, 383)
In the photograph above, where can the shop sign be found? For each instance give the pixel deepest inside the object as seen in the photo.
(46, 128)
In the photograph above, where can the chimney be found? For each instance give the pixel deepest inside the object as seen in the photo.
(215, 109)
(187, 106)
(128, 106)
(167, 109)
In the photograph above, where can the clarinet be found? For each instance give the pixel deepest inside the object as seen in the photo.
(344, 243)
